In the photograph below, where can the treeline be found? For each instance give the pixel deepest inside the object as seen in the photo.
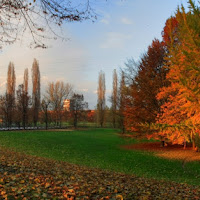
(19, 109)
(161, 92)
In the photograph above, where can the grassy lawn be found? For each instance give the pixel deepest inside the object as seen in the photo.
(99, 148)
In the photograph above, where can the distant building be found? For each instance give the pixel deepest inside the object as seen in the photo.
(66, 104)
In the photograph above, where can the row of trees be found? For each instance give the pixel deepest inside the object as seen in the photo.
(19, 108)
(161, 92)
(114, 114)
(14, 104)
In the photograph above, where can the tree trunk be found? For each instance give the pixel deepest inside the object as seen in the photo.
(162, 143)
(46, 120)
(193, 144)
(184, 144)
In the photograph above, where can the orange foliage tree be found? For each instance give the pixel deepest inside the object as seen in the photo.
(179, 119)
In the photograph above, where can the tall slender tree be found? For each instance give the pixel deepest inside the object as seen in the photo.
(101, 102)
(26, 80)
(121, 102)
(114, 98)
(10, 93)
(36, 91)
(23, 101)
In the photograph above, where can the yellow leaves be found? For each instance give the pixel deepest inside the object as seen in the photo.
(119, 197)
(69, 194)
(47, 185)
(3, 193)
(71, 191)
(72, 177)
(45, 179)
(22, 181)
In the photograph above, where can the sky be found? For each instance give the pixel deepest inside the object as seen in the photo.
(123, 30)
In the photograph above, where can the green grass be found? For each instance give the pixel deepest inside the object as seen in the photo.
(99, 148)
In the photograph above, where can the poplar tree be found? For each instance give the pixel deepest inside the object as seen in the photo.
(101, 102)
(36, 91)
(23, 101)
(121, 102)
(114, 98)
(10, 94)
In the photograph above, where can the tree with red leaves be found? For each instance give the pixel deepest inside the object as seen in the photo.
(142, 106)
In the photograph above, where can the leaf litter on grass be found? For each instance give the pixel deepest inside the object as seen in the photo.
(30, 177)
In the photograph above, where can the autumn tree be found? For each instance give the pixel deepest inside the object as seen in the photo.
(56, 93)
(45, 110)
(23, 101)
(36, 91)
(113, 98)
(77, 108)
(8, 101)
(121, 100)
(39, 17)
(179, 119)
(26, 80)
(148, 77)
(101, 102)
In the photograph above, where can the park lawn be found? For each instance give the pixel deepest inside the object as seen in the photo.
(99, 148)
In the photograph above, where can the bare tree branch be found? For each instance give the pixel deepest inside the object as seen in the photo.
(38, 17)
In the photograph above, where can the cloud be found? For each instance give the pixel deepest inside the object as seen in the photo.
(2, 84)
(126, 21)
(106, 19)
(115, 40)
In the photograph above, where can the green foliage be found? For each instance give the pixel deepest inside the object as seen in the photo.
(99, 148)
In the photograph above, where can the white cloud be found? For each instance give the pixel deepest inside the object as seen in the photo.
(83, 90)
(126, 21)
(115, 40)
(106, 19)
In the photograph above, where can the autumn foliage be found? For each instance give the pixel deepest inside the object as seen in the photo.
(163, 97)
(142, 106)
(180, 117)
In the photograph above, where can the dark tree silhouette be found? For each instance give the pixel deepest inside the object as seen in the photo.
(77, 107)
